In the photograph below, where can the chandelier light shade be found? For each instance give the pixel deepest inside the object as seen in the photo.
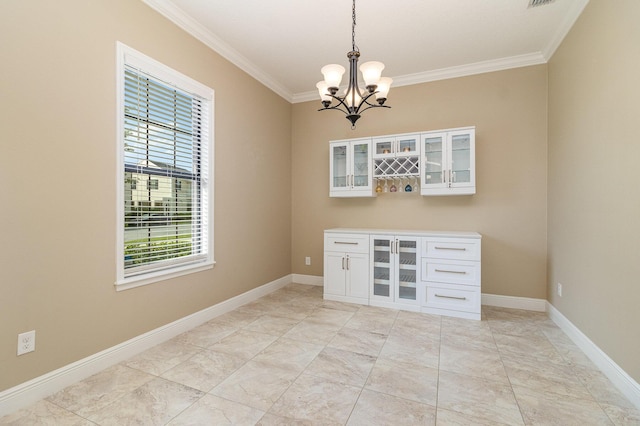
(354, 100)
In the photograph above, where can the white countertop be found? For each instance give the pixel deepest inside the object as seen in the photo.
(419, 233)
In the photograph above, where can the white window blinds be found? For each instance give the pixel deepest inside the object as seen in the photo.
(165, 176)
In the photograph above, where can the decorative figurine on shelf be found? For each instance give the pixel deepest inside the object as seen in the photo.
(385, 151)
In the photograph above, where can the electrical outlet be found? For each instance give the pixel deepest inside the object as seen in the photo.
(559, 289)
(307, 261)
(26, 342)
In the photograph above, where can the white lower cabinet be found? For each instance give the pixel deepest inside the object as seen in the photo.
(395, 271)
(346, 268)
(451, 277)
(432, 272)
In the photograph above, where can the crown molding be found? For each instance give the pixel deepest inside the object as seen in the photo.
(451, 72)
(197, 30)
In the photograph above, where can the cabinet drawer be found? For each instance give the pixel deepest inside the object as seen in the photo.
(346, 243)
(451, 248)
(452, 298)
(453, 271)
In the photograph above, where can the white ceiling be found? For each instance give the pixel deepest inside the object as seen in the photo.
(284, 43)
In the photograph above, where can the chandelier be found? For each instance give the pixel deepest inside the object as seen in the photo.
(354, 101)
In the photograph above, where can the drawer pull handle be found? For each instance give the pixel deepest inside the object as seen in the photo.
(451, 248)
(451, 297)
(450, 272)
(345, 242)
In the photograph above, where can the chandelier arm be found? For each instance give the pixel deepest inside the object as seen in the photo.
(341, 103)
(337, 108)
(365, 101)
(372, 106)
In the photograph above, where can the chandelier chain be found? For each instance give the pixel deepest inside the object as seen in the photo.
(353, 27)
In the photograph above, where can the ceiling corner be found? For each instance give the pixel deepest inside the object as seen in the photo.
(577, 6)
(176, 15)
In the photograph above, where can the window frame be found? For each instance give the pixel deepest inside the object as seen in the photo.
(125, 55)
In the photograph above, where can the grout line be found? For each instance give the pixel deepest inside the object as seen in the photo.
(438, 375)
(315, 308)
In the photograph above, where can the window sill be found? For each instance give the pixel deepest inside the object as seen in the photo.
(154, 277)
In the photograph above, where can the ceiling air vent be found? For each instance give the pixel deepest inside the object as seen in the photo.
(534, 3)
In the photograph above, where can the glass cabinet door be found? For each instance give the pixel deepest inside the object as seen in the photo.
(382, 267)
(361, 165)
(339, 166)
(383, 147)
(392, 146)
(408, 145)
(433, 157)
(407, 257)
(461, 158)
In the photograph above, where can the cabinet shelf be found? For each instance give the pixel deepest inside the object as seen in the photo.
(408, 267)
(405, 278)
(408, 250)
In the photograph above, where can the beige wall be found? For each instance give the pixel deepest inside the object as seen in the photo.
(58, 121)
(509, 110)
(57, 113)
(594, 190)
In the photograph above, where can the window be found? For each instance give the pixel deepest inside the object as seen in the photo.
(152, 184)
(165, 137)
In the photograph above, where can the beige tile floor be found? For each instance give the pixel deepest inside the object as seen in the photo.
(293, 358)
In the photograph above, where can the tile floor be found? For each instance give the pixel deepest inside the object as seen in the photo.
(293, 358)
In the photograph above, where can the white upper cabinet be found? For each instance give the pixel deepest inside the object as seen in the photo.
(396, 146)
(448, 162)
(350, 169)
(438, 163)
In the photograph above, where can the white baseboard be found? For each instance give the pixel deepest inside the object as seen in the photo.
(41, 387)
(625, 383)
(308, 279)
(526, 303)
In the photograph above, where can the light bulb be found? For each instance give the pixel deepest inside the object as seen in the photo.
(332, 74)
(323, 91)
(371, 72)
(383, 89)
(352, 98)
